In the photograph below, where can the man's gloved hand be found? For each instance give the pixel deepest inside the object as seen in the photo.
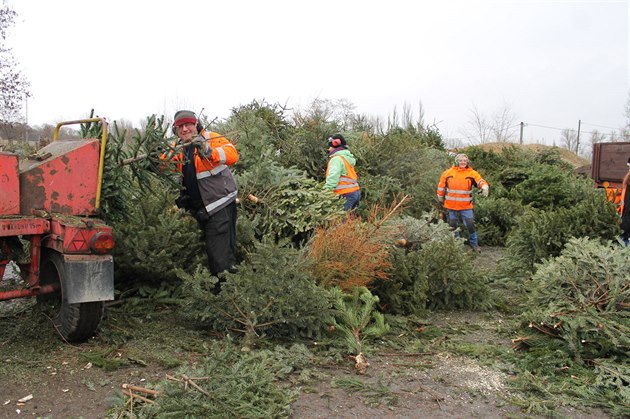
(485, 190)
(202, 146)
(199, 142)
(440, 199)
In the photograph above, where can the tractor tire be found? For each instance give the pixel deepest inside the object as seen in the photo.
(74, 322)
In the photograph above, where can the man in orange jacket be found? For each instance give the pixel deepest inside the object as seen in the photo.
(454, 190)
(209, 188)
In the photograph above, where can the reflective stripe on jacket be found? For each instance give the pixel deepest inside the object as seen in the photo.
(348, 181)
(217, 185)
(456, 185)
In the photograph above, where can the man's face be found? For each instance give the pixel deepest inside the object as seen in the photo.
(186, 132)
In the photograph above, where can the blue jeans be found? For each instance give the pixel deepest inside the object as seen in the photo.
(468, 218)
(352, 200)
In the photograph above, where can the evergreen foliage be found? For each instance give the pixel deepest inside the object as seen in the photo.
(582, 297)
(290, 204)
(292, 208)
(406, 289)
(131, 163)
(273, 293)
(307, 147)
(404, 160)
(498, 216)
(231, 384)
(577, 323)
(537, 203)
(434, 271)
(453, 281)
(155, 240)
(549, 187)
(540, 234)
(357, 317)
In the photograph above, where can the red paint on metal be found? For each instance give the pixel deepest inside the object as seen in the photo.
(79, 242)
(74, 234)
(3, 265)
(66, 182)
(29, 292)
(32, 276)
(9, 184)
(16, 226)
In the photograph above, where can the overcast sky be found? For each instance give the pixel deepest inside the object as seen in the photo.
(551, 63)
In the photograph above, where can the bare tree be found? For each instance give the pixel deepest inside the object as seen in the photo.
(504, 124)
(14, 87)
(343, 112)
(568, 138)
(478, 129)
(596, 137)
(501, 127)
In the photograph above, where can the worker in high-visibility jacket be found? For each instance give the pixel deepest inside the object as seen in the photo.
(209, 190)
(340, 174)
(455, 190)
(613, 195)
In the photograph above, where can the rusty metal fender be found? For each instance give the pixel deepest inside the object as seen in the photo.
(88, 278)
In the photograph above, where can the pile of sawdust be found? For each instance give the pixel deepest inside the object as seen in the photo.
(566, 155)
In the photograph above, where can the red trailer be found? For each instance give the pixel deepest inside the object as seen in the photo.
(608, 168)
(48, 227)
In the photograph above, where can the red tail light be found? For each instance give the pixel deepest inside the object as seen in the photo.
(102, 242)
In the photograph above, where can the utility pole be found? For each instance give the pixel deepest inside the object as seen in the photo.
(522, 126)
(577, 142)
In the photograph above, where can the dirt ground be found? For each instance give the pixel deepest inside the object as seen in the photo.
(55, 380)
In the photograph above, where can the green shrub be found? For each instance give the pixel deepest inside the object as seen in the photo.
(453, 282)
(582, 297)
(291, 205)
(403, 161)
(549, 187)
(495, 218)
(356, 317)
(405, 292)
(541, 234)
(577, 327)
(156, 240)
(236, 384)
(272, 293)
(434, 271)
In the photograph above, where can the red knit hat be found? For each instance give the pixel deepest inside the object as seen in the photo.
(184, 117)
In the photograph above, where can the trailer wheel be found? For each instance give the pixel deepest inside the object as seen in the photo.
(75, 322)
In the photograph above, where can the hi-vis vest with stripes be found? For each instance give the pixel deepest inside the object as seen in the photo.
(456, 185)
(217, 185)
(349, 182)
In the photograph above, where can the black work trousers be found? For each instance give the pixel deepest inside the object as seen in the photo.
(219, 234)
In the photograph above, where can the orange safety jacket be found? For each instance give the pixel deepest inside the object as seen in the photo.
(348, 183)
(217, 185)
(614, 195)
(456, 185)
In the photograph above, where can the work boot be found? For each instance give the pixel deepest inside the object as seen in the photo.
(476, 249)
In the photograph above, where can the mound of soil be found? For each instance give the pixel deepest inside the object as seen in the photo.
(566, 155)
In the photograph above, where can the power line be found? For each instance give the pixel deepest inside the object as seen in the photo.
(562, 129)
(540, 126)
(601, 126)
